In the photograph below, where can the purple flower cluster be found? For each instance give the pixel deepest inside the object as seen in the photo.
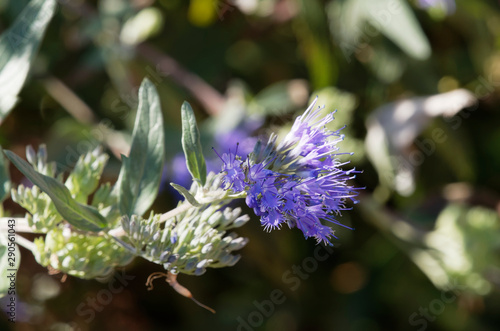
(298, 181)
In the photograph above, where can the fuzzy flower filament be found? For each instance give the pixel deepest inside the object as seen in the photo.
(299, 181)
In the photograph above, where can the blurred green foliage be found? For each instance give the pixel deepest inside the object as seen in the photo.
(234, 60)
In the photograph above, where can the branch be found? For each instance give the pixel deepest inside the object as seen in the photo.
(176, 211)
(69, 100)
(209, 97)
(25, 243)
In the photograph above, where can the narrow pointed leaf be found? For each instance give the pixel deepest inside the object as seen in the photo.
(191, 144)
(401, 26)
(186, 194)
(393, 18)
(18, 46)
(141, 171)
(83, 217)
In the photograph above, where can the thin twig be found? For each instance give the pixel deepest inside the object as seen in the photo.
(171, 279)
(209, 97)
(69, 100)
(84, 114)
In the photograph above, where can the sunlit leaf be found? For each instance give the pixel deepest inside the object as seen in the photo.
(186, 194)
(191, 144)
(141, 171)
(18, 46)
(462, 249)
(393, 18)
(146, 23)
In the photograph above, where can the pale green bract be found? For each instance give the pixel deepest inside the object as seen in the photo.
(191, 144)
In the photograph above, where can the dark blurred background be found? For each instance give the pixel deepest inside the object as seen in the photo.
(417, 84)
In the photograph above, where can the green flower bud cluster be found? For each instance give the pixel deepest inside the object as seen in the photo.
(39, 160)
(42, 215)
(82, 182)
(141, 231)
(80, 254)
(84, 178)
(193, 240)
(106, 202)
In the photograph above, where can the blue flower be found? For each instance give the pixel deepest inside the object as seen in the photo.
(299, 181)
(234, 176)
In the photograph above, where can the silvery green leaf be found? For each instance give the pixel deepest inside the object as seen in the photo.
(5, 264)
(81, 216)
(393, 18)
(186, 194)
(18, 46)
(397, 22)
(141, 171)
(4, 177)
(191, 144)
